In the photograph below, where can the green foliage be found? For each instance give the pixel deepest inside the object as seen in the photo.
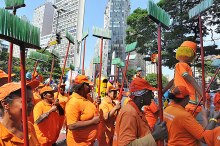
(130, 73)
(12, 26)
(152, 79)
(144, 31)
(9, 3)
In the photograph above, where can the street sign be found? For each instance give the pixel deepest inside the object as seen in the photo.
(53, 43)
(200, 8)
(132, 57)
(131, 47)
(97, 60)
(102, 33)
(116, 61)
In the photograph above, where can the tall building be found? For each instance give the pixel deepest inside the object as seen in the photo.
(71, 20)
(150, 67)
(115, 17)
(4, 47)
(43, 18)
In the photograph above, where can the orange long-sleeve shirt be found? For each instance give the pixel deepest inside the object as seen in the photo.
(216, 101)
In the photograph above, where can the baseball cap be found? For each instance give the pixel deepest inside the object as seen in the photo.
(140, 84)
(111, 88)
(139, 69)
(61, 85)
(4, 75)
(180, 91)
(191, 45)
(81, 79)
(41, 85)
(46, 89)
(8, 88)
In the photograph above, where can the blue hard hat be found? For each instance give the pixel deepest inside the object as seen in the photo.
(29, 75)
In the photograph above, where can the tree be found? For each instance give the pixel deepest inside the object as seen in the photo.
(181, 29)
(152, 79)
(130, 73)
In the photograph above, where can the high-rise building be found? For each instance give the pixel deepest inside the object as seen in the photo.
(115, 17)
(43, 18)
(151, 68)
(72, 20)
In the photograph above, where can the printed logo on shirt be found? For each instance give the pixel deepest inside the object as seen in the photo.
(169, 116)
(218, 137)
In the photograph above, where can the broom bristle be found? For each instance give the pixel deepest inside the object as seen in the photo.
(12, 26)
(69, 36)
(158, 13)
(38, 56)
(131, 47)
(121, 64)
(85, 34)
(72, 67)
(97, 60)
(55, 53)
(116, 61)
(10, 3)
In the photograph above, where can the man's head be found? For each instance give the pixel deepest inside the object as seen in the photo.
(141, 88)
(112, 93)
(139, 70)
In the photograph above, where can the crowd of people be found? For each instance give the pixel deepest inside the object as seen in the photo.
(87, 120)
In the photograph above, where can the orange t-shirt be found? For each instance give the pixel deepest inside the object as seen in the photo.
(212, 137)
(151, 115)
(47, 131)
(80, 109)
(216, 101)
(131, 124)
(208, 98)
(182, 127)
(181, 70)
(36, 99)
(107, 127)
(62, 99)
(126, 101)
(7, 138)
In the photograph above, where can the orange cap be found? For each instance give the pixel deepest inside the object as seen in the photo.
(46, 88)
(62, 84)
(4, 75)
(111, 88)
(191, 45)
(118, 84)
(180, 91)
(140, 84)
(41, 85)
(81, 79)
(8, 88)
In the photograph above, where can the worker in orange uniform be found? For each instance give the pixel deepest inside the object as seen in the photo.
(183, 128)
(183, 75)
(81, 116)
(208, 99)
(36, 99)
(138, 75)
(152, 113)
(109, 109)
(127, 99)
(63, 97)
(11, 125)
(37, 75)
(132, 128)
(48, 117)
(216, 100)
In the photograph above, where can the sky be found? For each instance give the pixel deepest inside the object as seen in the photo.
(94, 16)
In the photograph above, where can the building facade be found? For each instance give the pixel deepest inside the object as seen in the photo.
(43, 18)
(151, 67)
(69, 20)
(115, 17)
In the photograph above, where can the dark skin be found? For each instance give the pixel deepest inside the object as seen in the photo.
(62, 89)
(48, 98)
(160, 130)
(3, 81)
(80, 125)
(12, 119)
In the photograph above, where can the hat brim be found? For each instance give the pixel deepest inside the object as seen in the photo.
(89, 82)
(6, 76)
(33, 84)
(151, 88)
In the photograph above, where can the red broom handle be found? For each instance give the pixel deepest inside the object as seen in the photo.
(63, 70)
(120, 94)
(34, 70)
(100, 68)
(206, 90)
(83, 56)
(23, 93)
(125, 77)
(52, 69)
(94, 80)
